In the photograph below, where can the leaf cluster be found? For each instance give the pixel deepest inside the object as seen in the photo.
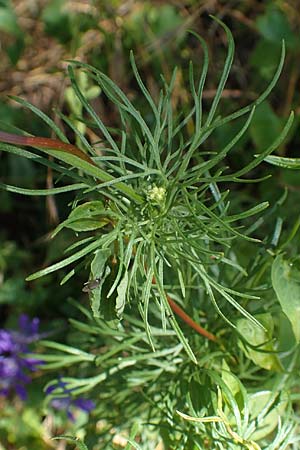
(154, 221)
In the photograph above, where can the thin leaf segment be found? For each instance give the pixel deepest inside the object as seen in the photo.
(151, 201)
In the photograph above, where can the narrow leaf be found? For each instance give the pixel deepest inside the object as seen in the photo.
(79, 444)
(65, 262)
(53, 191)
(287, 163)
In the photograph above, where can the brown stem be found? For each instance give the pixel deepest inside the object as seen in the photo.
(42, 142)
(187, 319)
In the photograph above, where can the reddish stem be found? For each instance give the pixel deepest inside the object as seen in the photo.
(187, 319)
(55, 144)
(42, 142)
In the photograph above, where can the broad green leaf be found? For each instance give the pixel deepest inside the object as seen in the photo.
(97, 305)
(99, 261)
(265, 57)
(286, 284)
(86, 217)
(88, 209)
(8, 20)
(266, 421)
(274, 27)
(229, 379)
(86, 224)
(164, 19)
(265, 126)
(259, 337)
(121, 297)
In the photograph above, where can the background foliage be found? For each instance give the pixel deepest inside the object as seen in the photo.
(36, 40)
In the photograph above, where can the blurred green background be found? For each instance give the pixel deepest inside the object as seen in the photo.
(36, 40)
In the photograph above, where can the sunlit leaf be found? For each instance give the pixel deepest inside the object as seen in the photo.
(89, 216)
(229, 379)
(259, 337)
(286, 283)
(100, 271)
(121, 297)
(281, 161)
(267, 417)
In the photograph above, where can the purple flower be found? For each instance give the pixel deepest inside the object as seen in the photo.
(64, 401)
(14, 359)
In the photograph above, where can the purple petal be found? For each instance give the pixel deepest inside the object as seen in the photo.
(21, 376)
(35, 324)
(84, 404)
(28, 330)
(66, 401)
(31, 363)
(50, 389)
(9, 368)
(20, 390)
(4, 391)
(24, 323)
(62, 384)
(70, 416)
(14, 361)
(7, 342)
(59, 384)
(28, 327)
(62, 403)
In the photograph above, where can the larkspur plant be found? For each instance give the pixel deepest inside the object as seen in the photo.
(16, 363)
(158, 231)
(60, 398)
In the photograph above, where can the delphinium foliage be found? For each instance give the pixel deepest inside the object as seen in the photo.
(182, 344)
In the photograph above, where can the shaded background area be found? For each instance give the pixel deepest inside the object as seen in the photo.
(37, 37)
